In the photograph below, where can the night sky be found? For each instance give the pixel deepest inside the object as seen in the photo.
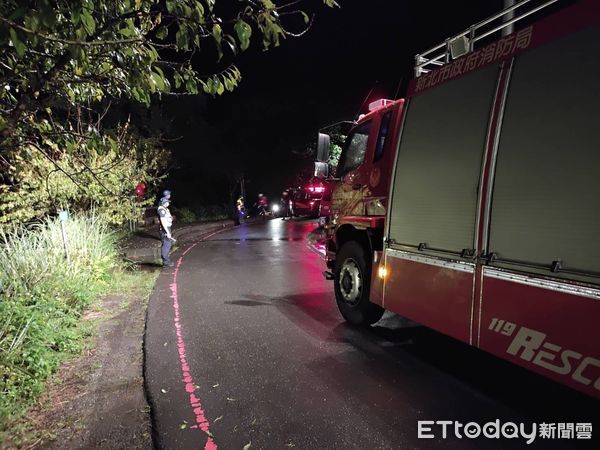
(263, 128)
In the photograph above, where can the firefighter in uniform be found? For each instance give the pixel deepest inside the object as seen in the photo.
(166, 239)
(241, 209)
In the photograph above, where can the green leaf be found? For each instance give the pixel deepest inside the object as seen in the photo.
(32, 22)
(181, 39)
(228, 84)
(198, 12)
(88, 22)
(129, 30)
(178, 80)
(243, 31)
(17, 43)
(140, 95)
(220, 87)
(171, 5)
(305, 16)
(217, 33)
(158, 81)
(191, 86)
(162, 32)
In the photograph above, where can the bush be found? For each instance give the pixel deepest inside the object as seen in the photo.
(213, 212)
(185, 215)
(42, 297)
(100, 173)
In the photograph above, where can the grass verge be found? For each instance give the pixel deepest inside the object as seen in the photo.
(98, 392)
(44, 291)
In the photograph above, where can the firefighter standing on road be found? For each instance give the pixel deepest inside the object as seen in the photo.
(263, 205)
(166, 239)
(240, 207)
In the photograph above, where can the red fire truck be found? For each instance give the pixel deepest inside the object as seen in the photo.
(473, 205)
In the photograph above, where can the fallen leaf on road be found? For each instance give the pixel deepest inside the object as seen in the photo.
(209, 433)
(165, 344)
(216, 385)
(247, 446)
(163, 391)
(218, 418)
(183, 425)
(229, 399)
(253, 422)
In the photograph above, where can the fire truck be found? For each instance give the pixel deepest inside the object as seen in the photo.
(472, 206)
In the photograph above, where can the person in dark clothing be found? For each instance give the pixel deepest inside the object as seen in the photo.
(285, 205)
(166, 239)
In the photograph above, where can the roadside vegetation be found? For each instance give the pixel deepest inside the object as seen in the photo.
(203, 213)
(44, 291)
(61, 413)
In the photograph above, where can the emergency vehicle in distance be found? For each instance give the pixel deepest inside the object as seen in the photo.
(311, 200)
(473, 205)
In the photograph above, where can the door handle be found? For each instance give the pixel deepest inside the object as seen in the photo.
(356, 186)
(488, 258)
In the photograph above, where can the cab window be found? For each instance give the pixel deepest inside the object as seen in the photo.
(383, 132)
(355, 149)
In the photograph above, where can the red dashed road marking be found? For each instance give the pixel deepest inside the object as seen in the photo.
(190, 387)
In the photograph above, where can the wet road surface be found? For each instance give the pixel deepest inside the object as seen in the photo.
(245, 345)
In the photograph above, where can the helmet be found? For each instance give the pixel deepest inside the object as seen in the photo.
(166, 193)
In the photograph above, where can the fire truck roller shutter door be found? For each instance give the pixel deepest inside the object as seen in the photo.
(434, 204)
(546, 198)
(439, 163)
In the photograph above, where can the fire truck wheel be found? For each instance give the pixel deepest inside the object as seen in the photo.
(352, 281)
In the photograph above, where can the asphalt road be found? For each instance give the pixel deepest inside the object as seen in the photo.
(244, 345)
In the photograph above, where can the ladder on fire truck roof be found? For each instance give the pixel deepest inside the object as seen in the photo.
(465, 41)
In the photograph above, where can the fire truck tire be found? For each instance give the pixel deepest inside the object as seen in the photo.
(352, 281)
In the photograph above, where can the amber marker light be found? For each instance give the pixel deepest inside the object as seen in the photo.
(382, 272)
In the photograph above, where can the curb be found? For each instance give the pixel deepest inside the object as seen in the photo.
(150, 252)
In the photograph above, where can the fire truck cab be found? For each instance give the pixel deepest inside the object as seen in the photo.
(472, 206)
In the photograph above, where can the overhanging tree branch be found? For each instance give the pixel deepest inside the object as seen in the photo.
(69, 41)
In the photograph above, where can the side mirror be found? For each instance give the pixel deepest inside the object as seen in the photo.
(321, 170)
(323, 143)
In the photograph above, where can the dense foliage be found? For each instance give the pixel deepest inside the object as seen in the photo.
(92, 172)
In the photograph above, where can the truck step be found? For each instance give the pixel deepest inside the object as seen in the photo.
(328, 275)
